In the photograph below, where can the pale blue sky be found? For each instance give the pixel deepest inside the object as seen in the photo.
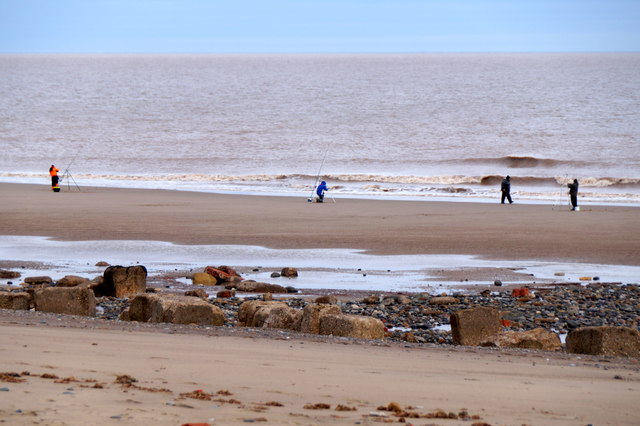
(316, 26)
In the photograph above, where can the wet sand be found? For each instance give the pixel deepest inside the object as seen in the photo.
(597, 234)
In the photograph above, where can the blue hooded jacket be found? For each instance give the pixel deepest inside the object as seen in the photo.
(321, 188)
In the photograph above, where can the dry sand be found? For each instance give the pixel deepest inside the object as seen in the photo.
(253, 378)
(253, 372)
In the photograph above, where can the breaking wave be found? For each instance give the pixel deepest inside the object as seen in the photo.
(515, 162)
(372, 179)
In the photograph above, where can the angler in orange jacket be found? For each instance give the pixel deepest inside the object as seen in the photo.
(53, 171)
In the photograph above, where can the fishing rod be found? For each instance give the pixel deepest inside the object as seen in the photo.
(559, 201)
(315, 184)
(67, 174)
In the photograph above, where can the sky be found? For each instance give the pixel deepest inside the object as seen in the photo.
(318, 26)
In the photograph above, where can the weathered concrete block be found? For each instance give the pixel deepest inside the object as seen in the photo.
(538, 338)
(18, 301)
(311, 314)
(281, 317)
(173, 309)
(472, 326)
(38, 280)
(66, 300)
(72, 281)
(329, 299)
(121, 282)
(352, 326)
(253, 313)
(605, 340)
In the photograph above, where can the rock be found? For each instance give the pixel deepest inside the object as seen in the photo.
(291, 289)
(72, 281)
(223, 274)
(281, 317)
(250, 309)
(174, 309)
(226, 294)
(396, 299)
(230, 271)
(329, 299)
(604, 340)
(372, 299)
(289, 272)
(17, 301)
(267, 297)
(538, 338)
(120, 281)
(38, 280)
(497, 283)
(443, 300)
(4, 274)
(202, 278)
(409, 338)
(275, 275)
(66, 300)
(103, 263)
(472, 326)
(197, 293)
(520, 292)
(352, 326)
(257, 287)
(311, 315)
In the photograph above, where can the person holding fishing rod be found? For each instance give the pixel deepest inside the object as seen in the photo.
(321, 190)
(53, 172)
(573, 194)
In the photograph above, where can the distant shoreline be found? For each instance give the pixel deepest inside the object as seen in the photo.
(491, 195)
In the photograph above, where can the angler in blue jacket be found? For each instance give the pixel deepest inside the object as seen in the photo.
(320, 191)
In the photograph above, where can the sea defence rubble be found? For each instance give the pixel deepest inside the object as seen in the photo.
(531, 317)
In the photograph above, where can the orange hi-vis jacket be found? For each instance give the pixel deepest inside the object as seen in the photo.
(53, 171)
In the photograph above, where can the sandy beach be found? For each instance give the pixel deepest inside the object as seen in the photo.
(77, 371)
(61, 370)
(597, 234)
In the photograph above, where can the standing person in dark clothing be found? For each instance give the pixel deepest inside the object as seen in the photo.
(505, 187)
(573, 193)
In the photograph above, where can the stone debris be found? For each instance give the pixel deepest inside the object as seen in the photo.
(611, 341)
(121, 281)
(472, 326)
(66, 300)
(413, 318)
(289, 272)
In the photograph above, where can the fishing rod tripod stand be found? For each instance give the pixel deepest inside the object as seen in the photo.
(66, 176)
